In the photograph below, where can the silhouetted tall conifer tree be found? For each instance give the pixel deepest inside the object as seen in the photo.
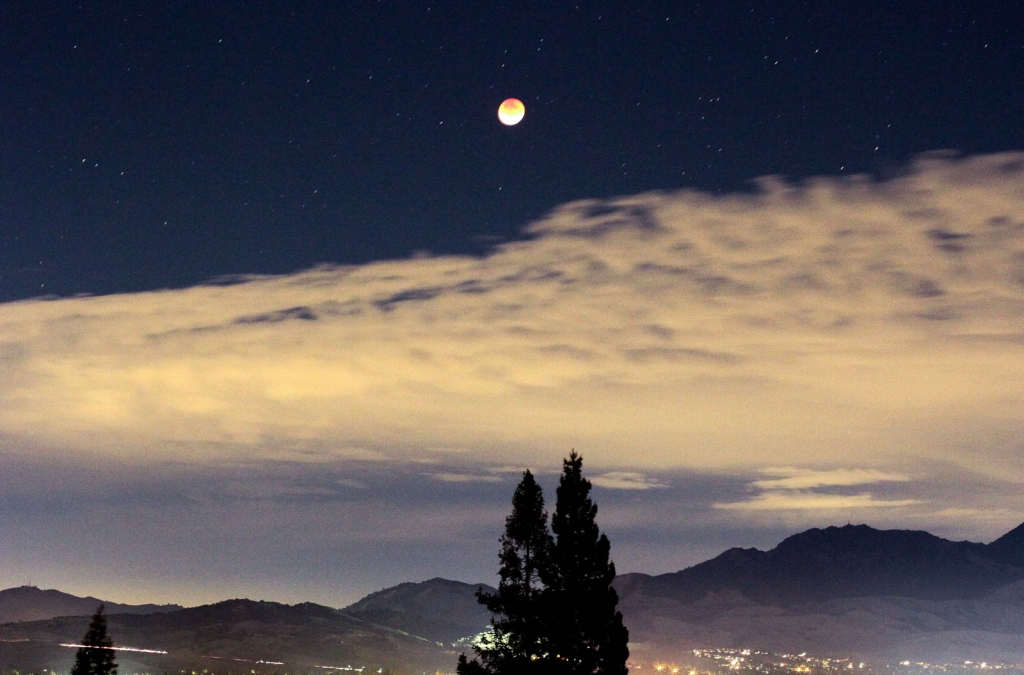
(516, 643)
(586, 633)
(555, 609)
(97, 657)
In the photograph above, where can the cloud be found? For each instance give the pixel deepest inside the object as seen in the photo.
(999, 515)
(794, 489)
(464, 478)
(510, 469)
(626, 480)
(788, 500)
(799, 325)
(792, 478)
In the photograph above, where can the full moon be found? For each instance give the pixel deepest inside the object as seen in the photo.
(511, 111)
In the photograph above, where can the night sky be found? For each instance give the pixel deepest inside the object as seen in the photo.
(285, 310)
(163, 144)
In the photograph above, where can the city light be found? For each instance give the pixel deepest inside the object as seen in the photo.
(116, 649)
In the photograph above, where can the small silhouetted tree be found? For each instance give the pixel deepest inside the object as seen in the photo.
(586, 633)
(97, 656)
(516, 643)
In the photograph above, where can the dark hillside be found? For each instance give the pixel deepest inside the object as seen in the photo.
(229, 635)
(438, 609)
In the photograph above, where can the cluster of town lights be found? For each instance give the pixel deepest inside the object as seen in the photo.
(768, 663)
(674, 670)
(160, 651)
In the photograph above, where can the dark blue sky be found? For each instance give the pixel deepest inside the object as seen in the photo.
(147, 145)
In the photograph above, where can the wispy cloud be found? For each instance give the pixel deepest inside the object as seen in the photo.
(793, 478)
(626, 480)
(1000, 515)
(464, 478)
(796, 489)
(806, 501)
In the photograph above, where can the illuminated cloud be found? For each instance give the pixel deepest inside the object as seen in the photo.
(626, 480)
(446, 477)
(798, 500)
(792, 478)
(999, 515)
(794, 489)
(800, 325)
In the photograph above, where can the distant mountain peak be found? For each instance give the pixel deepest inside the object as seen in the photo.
(897, 547)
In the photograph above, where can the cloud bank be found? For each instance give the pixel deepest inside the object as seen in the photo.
(834, 322)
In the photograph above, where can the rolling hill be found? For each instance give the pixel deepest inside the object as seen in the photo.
(438, 609)
(228, 637)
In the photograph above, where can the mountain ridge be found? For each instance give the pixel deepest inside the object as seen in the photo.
(852, 590)
(29, 603)
(849, 590)
(850, 561)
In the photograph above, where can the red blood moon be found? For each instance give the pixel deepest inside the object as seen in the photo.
(511, 111)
